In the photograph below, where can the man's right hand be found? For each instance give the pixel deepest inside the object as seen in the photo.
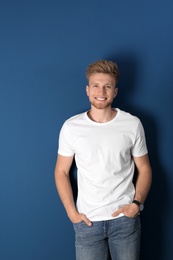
(79, 217)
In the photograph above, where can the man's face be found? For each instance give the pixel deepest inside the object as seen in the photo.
(101, 90)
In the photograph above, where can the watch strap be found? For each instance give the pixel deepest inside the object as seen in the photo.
(136, 202)
(140, 205)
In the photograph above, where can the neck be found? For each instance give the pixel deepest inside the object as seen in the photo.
(102, 115)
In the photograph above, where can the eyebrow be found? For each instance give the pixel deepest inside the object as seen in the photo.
(96, 83)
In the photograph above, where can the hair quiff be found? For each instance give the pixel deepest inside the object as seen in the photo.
(103, 66)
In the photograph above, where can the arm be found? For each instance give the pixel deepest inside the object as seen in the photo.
(64, 188)
(144, 178)
(143, 183)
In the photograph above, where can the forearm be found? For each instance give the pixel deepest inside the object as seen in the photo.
(143, 184)
(64, 189)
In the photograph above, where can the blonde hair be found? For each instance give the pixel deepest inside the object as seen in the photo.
(103, 66)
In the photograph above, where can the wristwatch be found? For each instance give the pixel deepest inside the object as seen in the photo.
(140, 205)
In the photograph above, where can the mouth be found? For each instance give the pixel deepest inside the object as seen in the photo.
(100, 98)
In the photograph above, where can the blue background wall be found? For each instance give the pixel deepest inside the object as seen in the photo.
(45, 47)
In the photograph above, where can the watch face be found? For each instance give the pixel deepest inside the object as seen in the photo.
(141, 207)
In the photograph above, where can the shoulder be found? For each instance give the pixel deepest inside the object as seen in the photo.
(75, 120)
(123, 115)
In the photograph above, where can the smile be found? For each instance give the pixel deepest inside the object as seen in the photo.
(100, 99)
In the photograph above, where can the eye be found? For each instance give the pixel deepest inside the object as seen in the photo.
(108, 86)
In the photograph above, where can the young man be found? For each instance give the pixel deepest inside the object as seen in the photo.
(107, 144)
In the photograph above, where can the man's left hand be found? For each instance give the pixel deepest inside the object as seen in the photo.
(130, 211)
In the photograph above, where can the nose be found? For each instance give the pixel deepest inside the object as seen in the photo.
(102, 90)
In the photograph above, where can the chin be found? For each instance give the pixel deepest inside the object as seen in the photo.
(101, 106)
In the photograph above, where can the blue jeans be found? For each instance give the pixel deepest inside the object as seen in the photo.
(117, 239)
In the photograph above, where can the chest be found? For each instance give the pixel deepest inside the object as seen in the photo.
(103, 140)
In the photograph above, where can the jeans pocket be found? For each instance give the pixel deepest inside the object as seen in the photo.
(79, 226)
(135, 217)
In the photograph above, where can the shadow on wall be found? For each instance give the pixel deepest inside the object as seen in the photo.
(152, 216)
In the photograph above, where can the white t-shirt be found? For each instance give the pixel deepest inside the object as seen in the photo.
(103, 154)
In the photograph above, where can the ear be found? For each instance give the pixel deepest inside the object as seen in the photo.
(116, 92)
(87, 90)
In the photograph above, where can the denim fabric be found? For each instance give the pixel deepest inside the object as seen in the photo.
(116, 239)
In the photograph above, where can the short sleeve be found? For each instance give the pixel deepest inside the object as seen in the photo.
(65, 142)
(140, 147)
